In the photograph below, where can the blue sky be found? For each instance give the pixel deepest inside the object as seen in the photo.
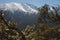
(37, 3)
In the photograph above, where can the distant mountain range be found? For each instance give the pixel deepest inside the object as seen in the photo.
(23, 14)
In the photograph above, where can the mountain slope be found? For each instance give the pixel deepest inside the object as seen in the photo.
(23, 14)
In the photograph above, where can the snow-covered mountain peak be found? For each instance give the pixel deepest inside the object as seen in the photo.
(18, 6)
(15, 6)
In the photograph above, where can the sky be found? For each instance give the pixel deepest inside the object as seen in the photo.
(37, 3)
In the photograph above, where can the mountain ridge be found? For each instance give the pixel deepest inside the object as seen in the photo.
(18, 6)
